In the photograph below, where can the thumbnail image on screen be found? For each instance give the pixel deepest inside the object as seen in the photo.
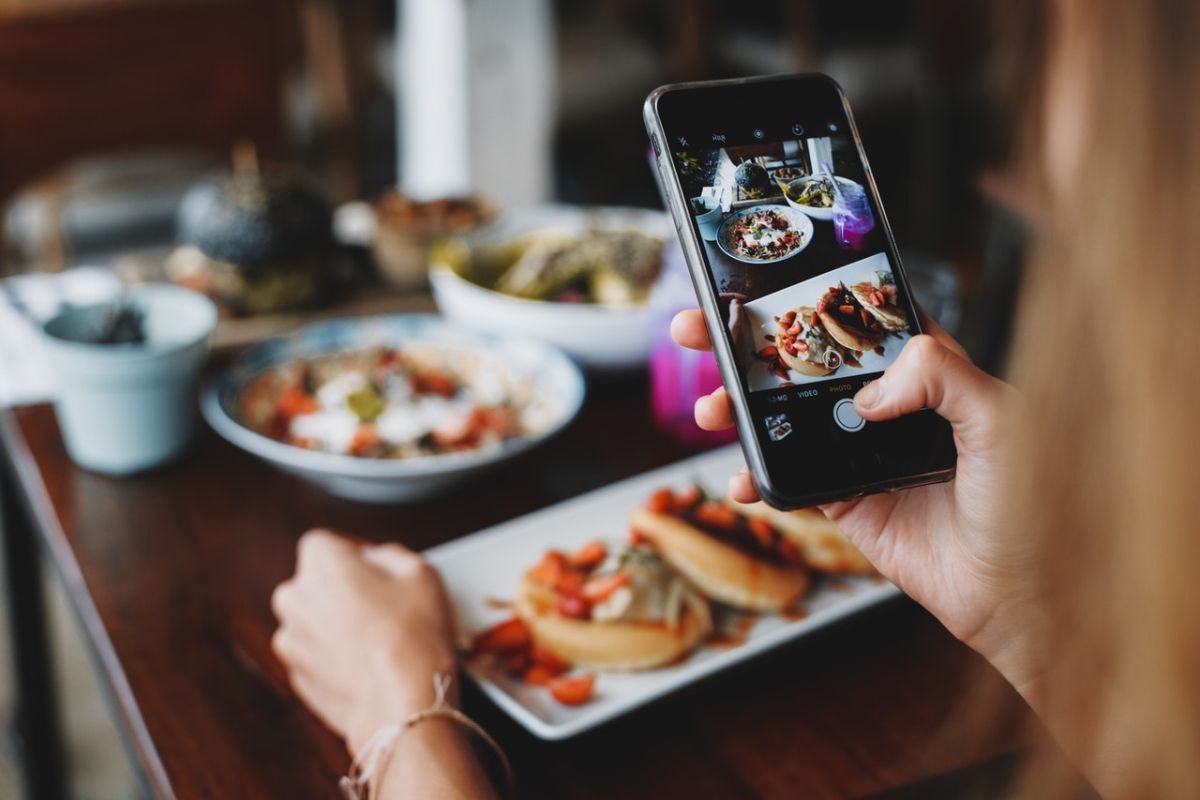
(789, 232)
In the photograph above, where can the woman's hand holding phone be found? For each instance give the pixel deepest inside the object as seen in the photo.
(943, 544)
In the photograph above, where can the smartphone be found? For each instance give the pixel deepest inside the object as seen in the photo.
(799, 280)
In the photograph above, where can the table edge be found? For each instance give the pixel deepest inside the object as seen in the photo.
(46, 523)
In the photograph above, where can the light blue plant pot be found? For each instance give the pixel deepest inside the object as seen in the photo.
(130, 407)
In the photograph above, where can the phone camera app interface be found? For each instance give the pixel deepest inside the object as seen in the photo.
(793, 243)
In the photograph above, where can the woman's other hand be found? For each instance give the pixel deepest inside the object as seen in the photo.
(942, 544)
(362, 631)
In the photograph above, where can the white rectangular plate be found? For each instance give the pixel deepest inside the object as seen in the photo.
(486, 566)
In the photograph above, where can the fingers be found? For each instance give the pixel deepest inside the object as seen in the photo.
(688, 330)
(282, 598)
(741, 488)
(394, 559)
(929, 374)
(320, 547)
(285, 647)
(713, 412)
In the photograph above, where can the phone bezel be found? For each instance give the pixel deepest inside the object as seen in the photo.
(672, 192)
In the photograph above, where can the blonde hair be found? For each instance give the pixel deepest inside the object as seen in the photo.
(1108, 490)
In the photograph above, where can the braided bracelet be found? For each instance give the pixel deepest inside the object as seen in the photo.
(369, 766)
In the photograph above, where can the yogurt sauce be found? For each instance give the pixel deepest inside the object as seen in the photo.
(406, 418)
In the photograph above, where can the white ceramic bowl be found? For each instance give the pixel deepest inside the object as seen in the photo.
(598, 337)
(558, 384)
(130, 407)
(823, 214)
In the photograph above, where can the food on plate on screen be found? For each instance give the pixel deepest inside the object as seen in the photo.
(845, 319)
(392, 402)
(845, 322)
(814, 192)
(878, 298)
(803, 345)
(785, 174)
(606, 607)
(762, 234)
(737, 560)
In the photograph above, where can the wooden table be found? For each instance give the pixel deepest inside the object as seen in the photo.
(171, 574)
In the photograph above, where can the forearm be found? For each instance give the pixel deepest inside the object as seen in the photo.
(1016, 645)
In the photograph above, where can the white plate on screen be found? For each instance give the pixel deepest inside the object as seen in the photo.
(486, 566)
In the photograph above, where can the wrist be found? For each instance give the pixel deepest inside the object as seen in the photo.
(391, 691)
(1013, 642)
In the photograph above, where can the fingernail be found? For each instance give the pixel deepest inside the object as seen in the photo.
(870, 396)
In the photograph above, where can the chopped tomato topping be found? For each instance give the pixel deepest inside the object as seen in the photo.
(364, 439)
(548, 659)
(573, 690)
(597, 590)
(661, 502)
(434, 383)
(573, 606)
(510, 636)
(294, 402)
(516, 664)
(636, 537)
(688, 497)
(537, 675)
(589, 556)
(716, 514)
(501, 421)
(789, 551)
(762, 531)
(550, 569)
(570, 581)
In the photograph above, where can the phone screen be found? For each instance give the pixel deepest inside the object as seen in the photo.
(805, 276)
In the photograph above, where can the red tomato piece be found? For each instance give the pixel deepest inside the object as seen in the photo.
(550, 569)
(589, 556)
(661, 502)
(573, 606)
(597, 590)
(573, 690)
(548, 659)
(295, 402)
(537, 675)
(508, 637)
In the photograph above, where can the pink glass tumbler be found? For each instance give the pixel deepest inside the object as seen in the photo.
(852, 217)
(678, 378)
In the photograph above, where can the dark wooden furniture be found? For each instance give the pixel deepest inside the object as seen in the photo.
(82, 78)
(171, 575)
(85, 78)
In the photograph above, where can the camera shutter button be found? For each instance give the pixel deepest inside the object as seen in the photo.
(846, 417)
